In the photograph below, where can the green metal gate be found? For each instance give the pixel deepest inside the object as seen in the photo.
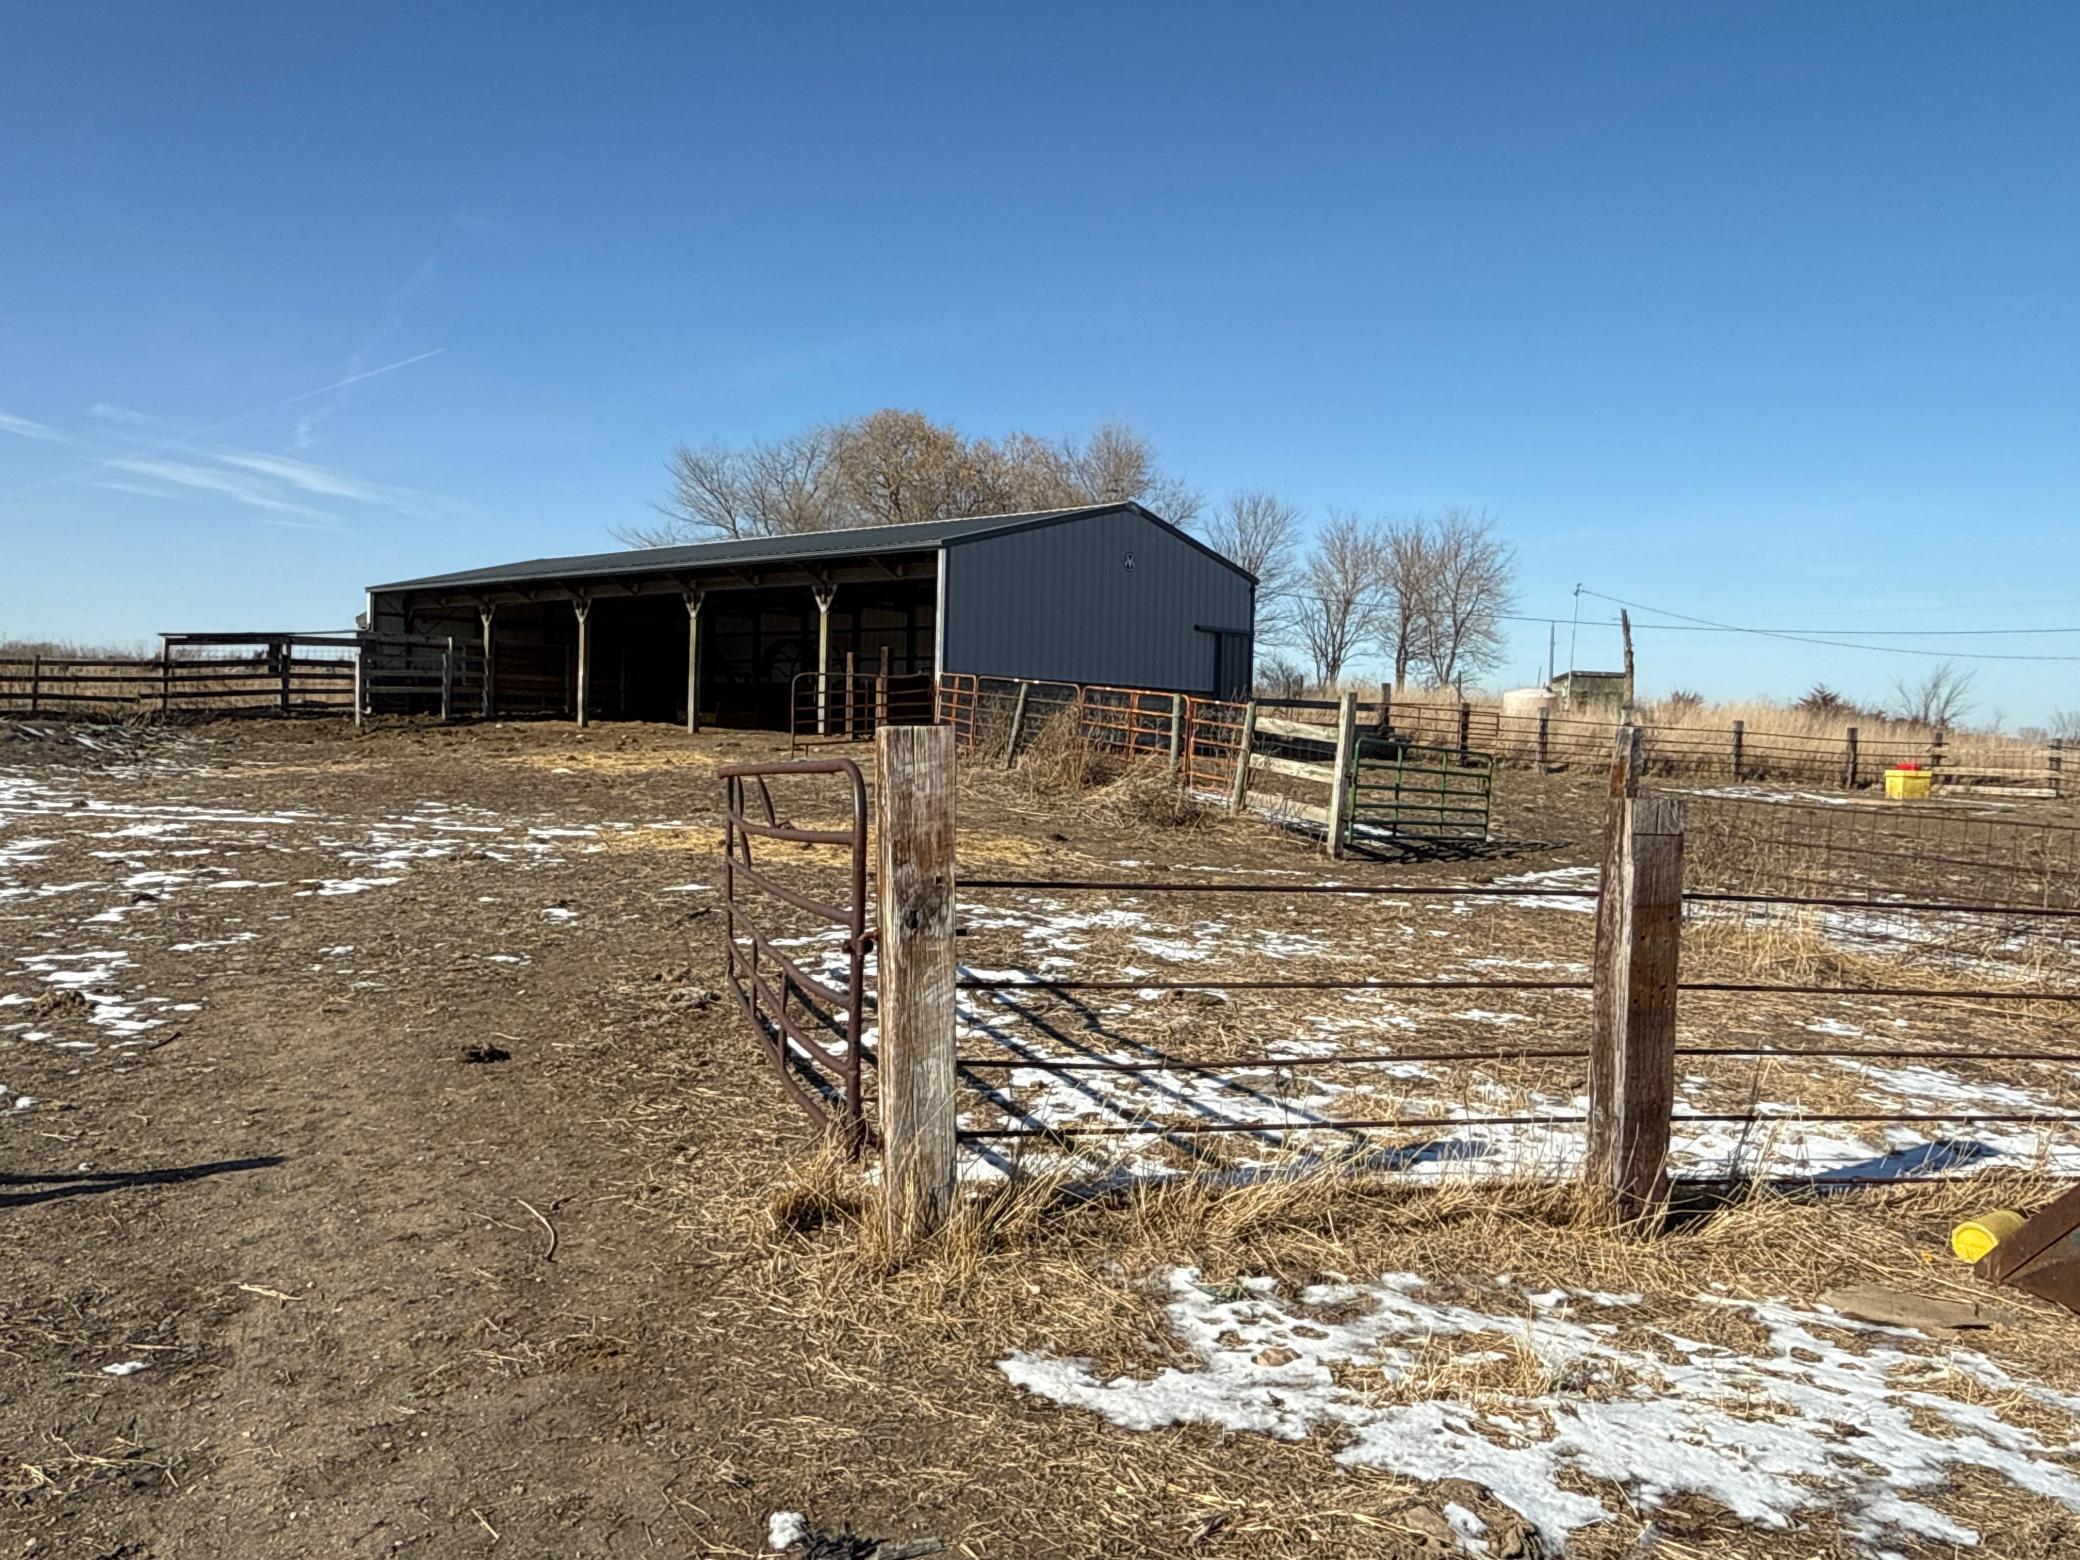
(1404, 794)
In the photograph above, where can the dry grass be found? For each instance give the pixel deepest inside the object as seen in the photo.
(613, 761)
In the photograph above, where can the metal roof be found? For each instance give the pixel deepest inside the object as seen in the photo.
(804, 547)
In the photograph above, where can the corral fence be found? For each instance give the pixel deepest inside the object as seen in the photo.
(935, 1093)
(808, 1023)
(850, 706)
(256, 673)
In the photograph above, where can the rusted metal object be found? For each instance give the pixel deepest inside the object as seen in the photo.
(809, 1028)
(2043, 1257)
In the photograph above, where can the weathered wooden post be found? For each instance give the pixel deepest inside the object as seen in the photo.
(35, 683)
(1386, 708)
(360, 681)
(1340, 781)
(1239, 797)
(825, 595)
(1639, 924)
(1177, 731)
(1935, 749)
(582, 606)
(2055, 762)
(1849, 762)
(846, 700)
(165, 676)
(287, 659)
(914, 990)
(881, 690)
(490, 701)
(694, 598)
(1545, 719)
(1018, 720)
(1740, 734)
(448, 681)
(1465, 729)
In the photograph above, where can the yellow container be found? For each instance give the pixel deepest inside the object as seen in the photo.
(1972, 1239)
(1907, 785)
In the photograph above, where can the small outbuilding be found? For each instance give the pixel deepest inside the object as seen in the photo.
(724, 631)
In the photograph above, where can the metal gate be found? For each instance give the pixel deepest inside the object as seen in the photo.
(1404, 794)
(810, 1027)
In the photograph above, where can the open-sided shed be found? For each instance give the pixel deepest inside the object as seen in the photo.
(721, 631)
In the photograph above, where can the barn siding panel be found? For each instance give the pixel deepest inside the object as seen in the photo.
(1058, 602)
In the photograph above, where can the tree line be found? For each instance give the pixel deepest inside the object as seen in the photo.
(1427, 595)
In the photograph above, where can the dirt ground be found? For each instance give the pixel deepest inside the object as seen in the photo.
(382, 1172)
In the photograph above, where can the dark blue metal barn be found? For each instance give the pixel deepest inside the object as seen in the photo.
(1108, 594)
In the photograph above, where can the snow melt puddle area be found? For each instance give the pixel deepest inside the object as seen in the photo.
(1825, 1413)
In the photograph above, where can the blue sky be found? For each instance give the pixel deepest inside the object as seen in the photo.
(1762, 313)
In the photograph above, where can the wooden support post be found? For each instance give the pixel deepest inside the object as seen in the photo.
(1386, 708)
(1177, 730)
(825, 595)
(583, 608)
(846, 701)
(2055, 763)
(1545, 721)
(1018, 720)
(881, 691)
(165, 677)
(1849, 762)
(1935, 750)
(490, 700)
(1632, 1061)
(1626, 760)
(288, 656)
(360, 682)
(1740, 732)
(35, 682)
(1239, 797)
(1340, 782)
(448, 681)
(694, 598)
(914, 991)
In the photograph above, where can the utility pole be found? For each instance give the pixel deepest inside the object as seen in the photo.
(1573, 634)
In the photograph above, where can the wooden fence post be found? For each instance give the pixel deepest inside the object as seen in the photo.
(1386, 708)
(35, 683)
(360, 681)
(1465, 728)
(448, 681)
(1176, 731)
(288, 657)
(913, 805)
(1740, 732)
(1545, 717)
(1018, 720)
(1340, 782)
(851, 675)
(2055, 762)
(881, 690)
(1849, 762)
(1935, 749)
(1239, 796)
(165, 676)
(1632, 1061)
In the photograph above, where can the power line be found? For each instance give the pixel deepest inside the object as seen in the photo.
(1796, 637)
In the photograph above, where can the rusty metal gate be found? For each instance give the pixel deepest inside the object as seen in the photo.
(810, 1027)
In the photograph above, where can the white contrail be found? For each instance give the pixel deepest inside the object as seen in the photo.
(355, 379)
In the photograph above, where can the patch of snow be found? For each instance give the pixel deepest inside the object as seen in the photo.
(1803, 1422)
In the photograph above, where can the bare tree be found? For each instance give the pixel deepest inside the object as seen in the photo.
(2065, 725)
(1261, 531)
(1337, 610)
(894, 466)
(1407, 573)
(1940, 699)
(1471, 589)
(1279, 678)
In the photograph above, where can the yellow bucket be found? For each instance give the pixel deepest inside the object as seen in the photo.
(1972, 1239)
